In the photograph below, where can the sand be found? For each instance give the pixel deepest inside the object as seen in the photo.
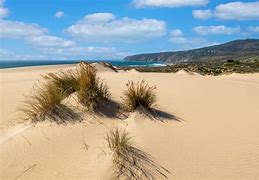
(213, 135)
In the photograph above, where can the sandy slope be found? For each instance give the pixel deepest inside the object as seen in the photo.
(214, 134)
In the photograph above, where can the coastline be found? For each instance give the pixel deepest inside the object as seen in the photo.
(119, 63)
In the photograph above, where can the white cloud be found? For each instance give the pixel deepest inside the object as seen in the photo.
(4, 12)
(56, 53)
(216, 30)
(98, 17)
(50, 41)
(178, 37)
(32, 33)
(254, 29)
(104, 27)
(169, 3)
(7, 55)
(90, 52)
(232, 11)
(16, 29)
(179, 40)
(59, 14)
(76, 50)
(52, 47)
(238, 10)
(202, 14)
(176, 33)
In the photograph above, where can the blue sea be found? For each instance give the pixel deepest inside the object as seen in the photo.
(118, 63)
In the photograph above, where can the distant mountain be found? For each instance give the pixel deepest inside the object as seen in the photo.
(234, 50)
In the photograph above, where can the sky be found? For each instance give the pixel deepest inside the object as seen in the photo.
(113, 29)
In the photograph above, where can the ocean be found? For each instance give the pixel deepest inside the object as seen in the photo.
(22, 63)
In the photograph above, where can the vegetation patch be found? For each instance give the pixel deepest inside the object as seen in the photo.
(91, 90)
(66, 81)
(45, 103)
(131, 162)
(213, 68)
(139, 94)
(45, 99)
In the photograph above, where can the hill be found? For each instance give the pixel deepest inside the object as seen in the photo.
(233, 50)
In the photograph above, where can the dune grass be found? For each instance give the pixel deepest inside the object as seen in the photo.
(66, 81)
(91, 90)
(139, 94)
(129, 161)
(44, 102)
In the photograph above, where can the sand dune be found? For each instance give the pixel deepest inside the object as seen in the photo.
(207, 129)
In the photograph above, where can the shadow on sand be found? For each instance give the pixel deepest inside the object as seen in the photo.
(129, 161)
(110, 109)
(62, 114)
(159, 115)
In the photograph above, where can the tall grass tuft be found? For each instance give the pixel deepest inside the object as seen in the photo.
(91, 90)
(129, 161)
(139, 94)
(45, 102)
(66, 81)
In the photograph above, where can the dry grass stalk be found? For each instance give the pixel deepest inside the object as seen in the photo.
(45, 103)
(45, 100)
(129, 161)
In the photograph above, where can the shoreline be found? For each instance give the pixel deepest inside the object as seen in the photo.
(119, 63)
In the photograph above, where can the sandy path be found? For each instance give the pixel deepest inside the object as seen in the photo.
(217, 137)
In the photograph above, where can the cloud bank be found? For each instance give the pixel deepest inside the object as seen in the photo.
(231, 11)
(169, 3)
(104, 27)
(216, 30)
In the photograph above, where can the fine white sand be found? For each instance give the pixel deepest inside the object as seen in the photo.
(214, 133)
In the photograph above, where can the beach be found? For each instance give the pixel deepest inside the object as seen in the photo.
(213, 133)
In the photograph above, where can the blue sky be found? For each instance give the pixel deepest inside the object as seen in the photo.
(113, 29)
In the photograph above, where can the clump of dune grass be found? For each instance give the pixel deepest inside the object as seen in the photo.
(91, 90)
(44, 103)
(129, 161)
(139, 94)
(45, 99)
(66, 81)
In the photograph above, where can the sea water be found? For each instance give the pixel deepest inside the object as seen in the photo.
(23, 63)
